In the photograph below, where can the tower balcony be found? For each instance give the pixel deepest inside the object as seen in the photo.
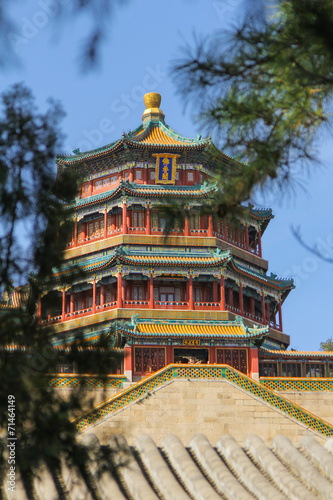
(160, 294)
(150, 222)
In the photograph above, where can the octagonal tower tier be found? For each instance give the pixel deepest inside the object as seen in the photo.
(201, 293)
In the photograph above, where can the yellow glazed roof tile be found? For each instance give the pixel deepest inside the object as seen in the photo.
(157, 136)
(192, 329)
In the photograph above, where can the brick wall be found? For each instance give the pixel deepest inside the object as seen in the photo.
(212, 407)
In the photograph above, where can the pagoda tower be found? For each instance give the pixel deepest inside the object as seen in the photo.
(200, 293)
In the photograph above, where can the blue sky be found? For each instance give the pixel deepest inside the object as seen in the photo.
(143, 38)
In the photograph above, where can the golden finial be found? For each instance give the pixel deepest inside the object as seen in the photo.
(152, 102)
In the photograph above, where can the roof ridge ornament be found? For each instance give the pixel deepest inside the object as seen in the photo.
(152, 112)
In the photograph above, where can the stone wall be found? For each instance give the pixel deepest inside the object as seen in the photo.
(212, 407)
(318, 402)
(88, 397)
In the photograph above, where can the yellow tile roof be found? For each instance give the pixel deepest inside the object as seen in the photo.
(157, 136)
(195, 330)
(295, 354)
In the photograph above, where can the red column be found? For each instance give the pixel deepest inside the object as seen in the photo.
(94, 296)
(169, 354)
(263, 309)
(130, 175)
(151, 292)
(128, 221)
(83, 231)
(75, 233)
(214, 291)
(124, 218)
(148, 228)
(63, 305)
(71, 307)
(186, 226)
(247, 243)
(222, 300)
(212, 359)
(39, 310)
(191, 302)
(124, 291)
(119, 296)
(241, 301)
(128, 362)
(280, 316)
(105, 223)
(113, 223)
(259, 243)
(90, 188)
(145, 175)
(210, 225)
(253, 369)
(102, 295)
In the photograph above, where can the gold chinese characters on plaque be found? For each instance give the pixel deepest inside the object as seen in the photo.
(191, 342)
(166, 167)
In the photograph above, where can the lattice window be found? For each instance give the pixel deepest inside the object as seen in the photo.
(177, 176)
(90, 229)
(197, 295)
(137, 219)
(195, 221)
(161, 358)
(220, 226)
(268, 369)
(153, 359)
(137, 360)
(114, 179)
(138, 174)
(177, 294)
(152, 175)
(230, 232)
(291, 369)
(108, 297)
(190, 176)
(148, 359)
(85, 188)
(237, 358)
(145, 359)
(154, 219)
(138, 293)
(118, 221)
(315, 370)
(106, 181)
(241, 236)
(98, 184)
(109, 223)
